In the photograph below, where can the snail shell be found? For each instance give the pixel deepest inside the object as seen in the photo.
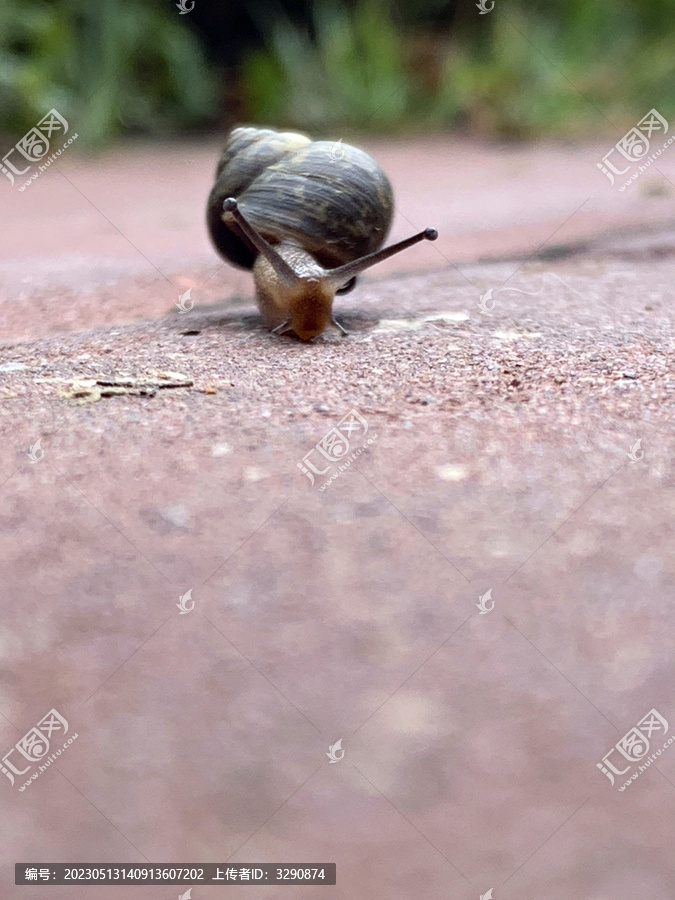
(292, 189)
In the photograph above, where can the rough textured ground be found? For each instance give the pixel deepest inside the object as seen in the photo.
(500, 460)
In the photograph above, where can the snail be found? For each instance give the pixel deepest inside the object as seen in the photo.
(305, 220)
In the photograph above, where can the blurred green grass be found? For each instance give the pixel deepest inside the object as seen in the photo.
(528, 68)
(110, 67)
(559, 67)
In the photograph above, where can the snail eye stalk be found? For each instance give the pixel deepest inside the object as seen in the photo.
(359, 265)
(280, 266)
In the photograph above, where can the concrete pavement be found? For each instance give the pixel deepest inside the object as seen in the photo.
(521, 451)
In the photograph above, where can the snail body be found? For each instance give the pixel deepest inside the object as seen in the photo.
(304, 220)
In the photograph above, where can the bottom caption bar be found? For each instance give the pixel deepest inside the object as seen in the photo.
(185, 873)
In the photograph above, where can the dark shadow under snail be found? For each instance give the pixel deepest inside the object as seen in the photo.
(306, 221)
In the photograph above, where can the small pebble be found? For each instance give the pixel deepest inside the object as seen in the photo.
(221, 450)
(452, 472)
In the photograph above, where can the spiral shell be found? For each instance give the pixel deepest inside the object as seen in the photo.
(338, 208)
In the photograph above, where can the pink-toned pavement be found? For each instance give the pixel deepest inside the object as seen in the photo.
(521, 450)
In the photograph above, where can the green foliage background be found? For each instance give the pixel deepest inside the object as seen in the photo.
(109, 65)
(527, 68)
(524, 69)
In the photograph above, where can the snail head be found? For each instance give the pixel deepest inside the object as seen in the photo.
(308, 298)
